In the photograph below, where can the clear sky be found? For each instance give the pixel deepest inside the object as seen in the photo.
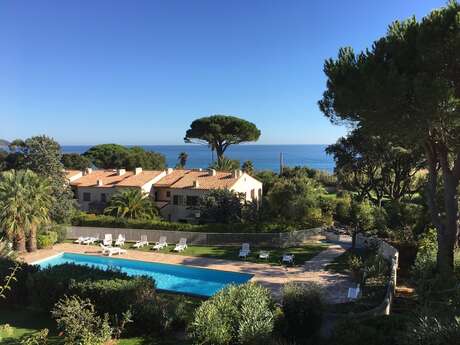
(139, 71)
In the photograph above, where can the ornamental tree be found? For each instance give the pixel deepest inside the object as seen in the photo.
(221, 131)
(406, 89)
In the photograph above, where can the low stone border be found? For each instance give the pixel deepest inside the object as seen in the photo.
(284, 239)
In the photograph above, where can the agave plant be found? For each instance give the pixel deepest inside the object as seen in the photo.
(131, 203)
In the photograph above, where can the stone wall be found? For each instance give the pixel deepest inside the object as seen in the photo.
(287, 239)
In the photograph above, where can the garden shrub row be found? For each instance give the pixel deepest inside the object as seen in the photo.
(85, 219)
(111, 291)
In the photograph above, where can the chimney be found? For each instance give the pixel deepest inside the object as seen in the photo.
(121, 172)
(137, 171)
(169, 171)
(237, 173)
(212, 172)
(99, 183)
(87, 171)
(196, 184)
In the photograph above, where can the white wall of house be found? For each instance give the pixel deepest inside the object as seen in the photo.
(249, 186)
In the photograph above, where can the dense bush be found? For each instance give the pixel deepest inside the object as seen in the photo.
(48, 285)
(85, 219)
(114, 296)
(20, 295)
(380, 330)
(434, 331)
(46, 239)
(302, 307)
(79, 322)
(241, 314)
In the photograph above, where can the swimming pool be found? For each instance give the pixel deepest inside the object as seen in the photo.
(176, 278)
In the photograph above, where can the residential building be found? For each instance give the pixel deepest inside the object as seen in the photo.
(175, 191)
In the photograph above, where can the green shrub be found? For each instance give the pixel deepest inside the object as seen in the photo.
(48, 285)
(85, 219)
(342, 212)
(20, 296)
(356, 266)
(38, 338)
(380, 330)
(114, 296)
(238, 314)
(434, 331)
(303, 308)
(47, 239)
(79, 322)
(61, 231)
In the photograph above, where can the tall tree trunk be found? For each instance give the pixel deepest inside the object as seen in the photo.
(20, 242)
(32, 240)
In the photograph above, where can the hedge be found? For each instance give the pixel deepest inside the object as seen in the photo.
(18, 295)
(85, 219)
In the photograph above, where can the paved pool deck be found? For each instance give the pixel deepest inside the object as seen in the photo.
(335, 286)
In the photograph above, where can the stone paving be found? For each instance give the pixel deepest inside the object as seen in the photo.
(273, 277)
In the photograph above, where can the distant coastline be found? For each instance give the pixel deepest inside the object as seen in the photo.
(264, 157)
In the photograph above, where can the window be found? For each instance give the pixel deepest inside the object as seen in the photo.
(168, 194)
(103, 197)
(260, 193)
(178, 200)
(253, 194)
(156, 195)
(192, 200)
(86, 196)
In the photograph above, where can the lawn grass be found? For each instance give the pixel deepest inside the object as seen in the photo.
(302, 254)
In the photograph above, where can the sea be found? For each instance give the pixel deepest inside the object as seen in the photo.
(264, 157)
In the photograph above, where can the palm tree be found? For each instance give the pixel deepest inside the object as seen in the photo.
(183, 156)
(248, 167)
(25, 199)
(131, 203)
(225, 164)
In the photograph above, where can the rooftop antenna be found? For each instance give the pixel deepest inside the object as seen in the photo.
(281, 163)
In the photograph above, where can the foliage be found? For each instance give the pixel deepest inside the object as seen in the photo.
(25, 201)
(42, 155)
(268, 179)
(342, 212)
(80, 323)
(374, 167)
(47, 239)
(45, 287)
(238, 314)
(132, 204)
(18, 281)
(75, 161)
(221, 131)
(38, 338)
(404, 90)
(113, 156)
(60, 230)
(248, 167)
(225, 164)
(303, 308)
(320, 176)
(182, 158)
(431, 330)
(220, 206)
(379, 330)
(296, 199)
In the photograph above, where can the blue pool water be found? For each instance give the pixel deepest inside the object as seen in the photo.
(175, 278)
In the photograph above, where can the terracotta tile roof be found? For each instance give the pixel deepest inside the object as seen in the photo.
(110, 178)
(205, 180)
(172, 178)
(71, 173)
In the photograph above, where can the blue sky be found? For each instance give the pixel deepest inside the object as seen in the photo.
(138, 72)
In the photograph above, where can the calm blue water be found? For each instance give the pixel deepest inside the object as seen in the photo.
(264, 157)
(176, 278)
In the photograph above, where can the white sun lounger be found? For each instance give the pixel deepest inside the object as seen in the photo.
(91, 240)
(142, 242)
(245, 250)
(288, 258)
(112, 250)
(264, 254)
(120, 240)
(182, 245)
(107, 240)
(81, 239)
(162, 243)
